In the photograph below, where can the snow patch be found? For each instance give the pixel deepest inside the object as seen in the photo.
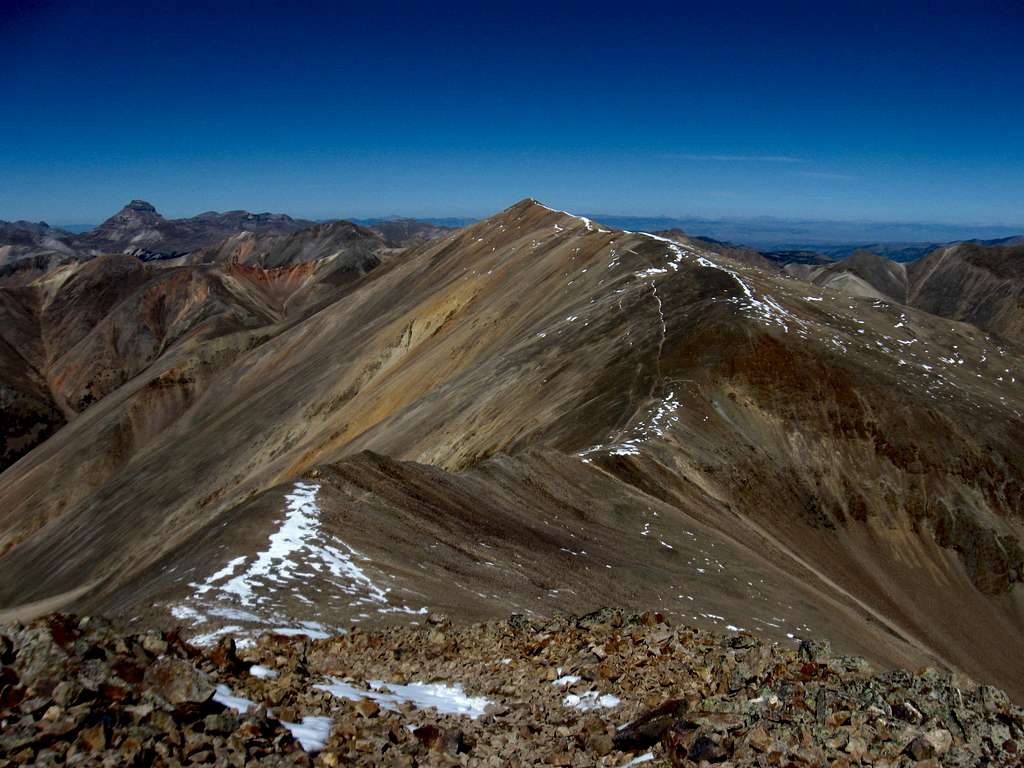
(264, 673)
(764, 308)
(224, 696)
(299, 541)
(591, 700)
(296, 551)
(314, 634)
(446, 699)
(312, 733)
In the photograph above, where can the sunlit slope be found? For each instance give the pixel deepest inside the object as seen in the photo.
(864, 450)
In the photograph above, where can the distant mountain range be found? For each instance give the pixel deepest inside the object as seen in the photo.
(139, 230)
(783, 240)
(792, 240)
(785, 234)
(404, 230)
(447, 222)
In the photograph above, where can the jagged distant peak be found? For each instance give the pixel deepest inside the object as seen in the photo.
(134, 213)
(140, 206)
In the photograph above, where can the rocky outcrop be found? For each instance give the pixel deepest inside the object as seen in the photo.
(73, 691)
(606, 689)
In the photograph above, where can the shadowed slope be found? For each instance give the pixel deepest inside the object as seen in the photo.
(864, 274)
(535, 533)
(983, 285)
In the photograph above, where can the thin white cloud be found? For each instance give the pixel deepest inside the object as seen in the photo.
(826, 175)
(735, 158)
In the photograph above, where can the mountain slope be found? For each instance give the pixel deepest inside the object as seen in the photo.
(28, 251)
(75, 334)
(851, 465)
(29, 241)
(864, 274)
(356, 246)
(735, 252)
(974, 283)
(408, 231)
(29, 411)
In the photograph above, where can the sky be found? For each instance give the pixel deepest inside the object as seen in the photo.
(887, 112)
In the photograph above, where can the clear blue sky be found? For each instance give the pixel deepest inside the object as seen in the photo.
(795, 110)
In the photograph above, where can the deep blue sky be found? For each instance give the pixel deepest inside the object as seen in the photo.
(794, 110)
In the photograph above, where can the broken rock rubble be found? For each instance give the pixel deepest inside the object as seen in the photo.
(507, 693)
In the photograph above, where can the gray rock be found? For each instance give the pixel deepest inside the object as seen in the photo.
(179, 683)
(818, 651)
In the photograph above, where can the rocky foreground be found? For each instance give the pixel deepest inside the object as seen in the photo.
(604, 689)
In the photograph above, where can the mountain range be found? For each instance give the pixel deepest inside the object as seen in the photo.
(784, 238)
(139, 230)
(310, 427)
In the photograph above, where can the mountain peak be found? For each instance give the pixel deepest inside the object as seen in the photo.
(526, 203)
(140, 206)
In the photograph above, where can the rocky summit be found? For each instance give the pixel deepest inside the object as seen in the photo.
(606, 689)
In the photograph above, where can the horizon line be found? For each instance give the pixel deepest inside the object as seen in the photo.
(594, 215)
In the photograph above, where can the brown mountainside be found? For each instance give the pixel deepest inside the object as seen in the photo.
(356, 246)
(978, 284)
(76, 333)
(975, 283)
(540, 413)
(863, 274)
(409, 231)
